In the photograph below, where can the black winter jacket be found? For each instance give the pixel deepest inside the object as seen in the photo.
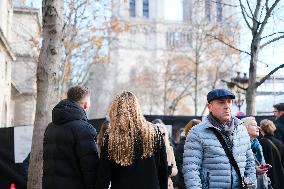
(279, 133)
(146, 173)
(179, 161)
(271, 156)
(70, 155)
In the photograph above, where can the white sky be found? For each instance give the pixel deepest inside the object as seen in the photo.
(173, 9)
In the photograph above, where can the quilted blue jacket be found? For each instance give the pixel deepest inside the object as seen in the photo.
(205, 163)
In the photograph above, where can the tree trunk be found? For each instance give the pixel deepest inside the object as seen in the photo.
(251, 91)
(47, 84)
(196, 81)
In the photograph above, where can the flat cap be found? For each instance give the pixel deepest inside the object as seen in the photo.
(219, 93)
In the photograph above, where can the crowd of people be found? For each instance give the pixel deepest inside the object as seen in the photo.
(220, 151)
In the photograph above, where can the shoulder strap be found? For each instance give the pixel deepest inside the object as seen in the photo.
(274, 146)
(227, 151)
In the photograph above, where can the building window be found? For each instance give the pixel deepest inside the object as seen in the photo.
(146, 8)
(176, 39)
(132, 6)
(219, 11)
(208, 10)
(188, 40)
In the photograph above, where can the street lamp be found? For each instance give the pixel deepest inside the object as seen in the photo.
(238, 85)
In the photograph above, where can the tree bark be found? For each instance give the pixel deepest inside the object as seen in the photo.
(251, 90)
(47, 84)
(196, 82)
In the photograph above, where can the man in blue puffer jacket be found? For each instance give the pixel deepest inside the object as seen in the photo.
(205, 163)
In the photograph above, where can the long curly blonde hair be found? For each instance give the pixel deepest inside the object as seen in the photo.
(127, 123)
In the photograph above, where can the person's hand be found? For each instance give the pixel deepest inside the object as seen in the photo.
(261, 169)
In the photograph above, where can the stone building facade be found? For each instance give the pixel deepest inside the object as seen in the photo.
(6, 58)
(151, 40)
(19, 48)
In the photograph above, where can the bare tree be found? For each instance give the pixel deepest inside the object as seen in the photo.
(188, 69)
(162, 88)
(83, 39)
(207, 57)
(256, 17)
(88, 32)
(176, 83)
(47, 84)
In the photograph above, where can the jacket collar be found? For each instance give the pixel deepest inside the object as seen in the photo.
(236, 121)
(280, 119)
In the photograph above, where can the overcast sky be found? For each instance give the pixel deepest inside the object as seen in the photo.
(173, 9)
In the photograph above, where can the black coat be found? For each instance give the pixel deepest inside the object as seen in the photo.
(70, 155)
(279, 133)
(179, 161)
(146, 173)
(276, 173)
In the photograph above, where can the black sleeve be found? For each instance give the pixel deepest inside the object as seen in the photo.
(278, 134)
(25, 165)
(162, 166)
(281, 146)
(104, 170)
(179, 156)
(86, 151)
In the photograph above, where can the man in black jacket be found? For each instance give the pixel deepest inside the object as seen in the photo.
(279, 121)
(69, 150)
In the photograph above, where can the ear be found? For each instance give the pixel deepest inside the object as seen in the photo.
(85, 106)
(209, 106)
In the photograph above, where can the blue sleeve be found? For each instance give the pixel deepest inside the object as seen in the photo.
(192, 160)
(250, 170)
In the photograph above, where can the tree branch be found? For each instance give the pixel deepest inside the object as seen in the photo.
(261, 12)
(268, 75)
(271, 41)
(236, 84)
(233, 47)
(245, 15)
(249, 8)
(272, 34)
(267, 16)
(256, 23)
(225, 4)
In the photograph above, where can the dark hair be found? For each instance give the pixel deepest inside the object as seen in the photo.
(190, 124)
(77, 93)
(103, 129)
(279, 106)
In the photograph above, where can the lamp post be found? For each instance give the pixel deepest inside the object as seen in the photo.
(238, 85)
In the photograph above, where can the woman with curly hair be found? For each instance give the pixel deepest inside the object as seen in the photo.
(133, 153)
